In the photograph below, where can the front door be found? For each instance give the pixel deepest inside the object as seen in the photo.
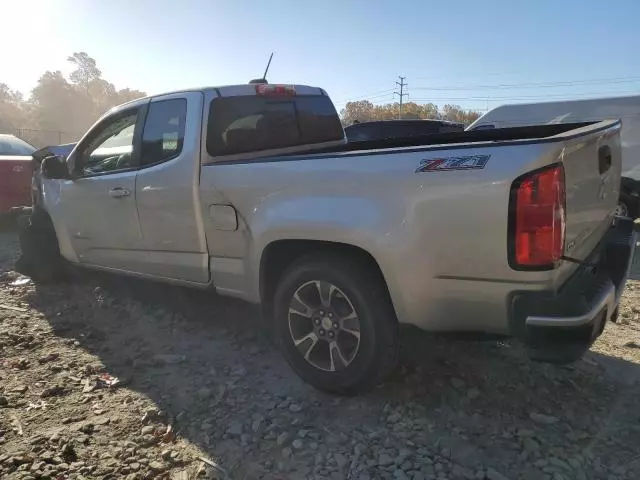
(99, 204)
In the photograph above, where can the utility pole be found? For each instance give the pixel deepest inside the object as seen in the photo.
(401, 84)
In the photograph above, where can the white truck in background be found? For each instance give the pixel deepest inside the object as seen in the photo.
(627, 109)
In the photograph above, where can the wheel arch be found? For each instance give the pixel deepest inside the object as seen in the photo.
(279, 255)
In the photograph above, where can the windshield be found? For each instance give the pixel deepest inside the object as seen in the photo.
(13, 146)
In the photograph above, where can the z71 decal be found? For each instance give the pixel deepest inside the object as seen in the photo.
(470, 162)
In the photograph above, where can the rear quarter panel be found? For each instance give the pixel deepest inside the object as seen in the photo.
(439, 237)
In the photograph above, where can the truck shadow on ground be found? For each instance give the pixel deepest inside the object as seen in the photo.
(210, 363)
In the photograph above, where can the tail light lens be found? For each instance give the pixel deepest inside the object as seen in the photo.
(537, 219)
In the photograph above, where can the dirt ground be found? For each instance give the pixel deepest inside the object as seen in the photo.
(108, 378)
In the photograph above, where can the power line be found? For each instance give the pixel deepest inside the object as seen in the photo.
(568, 96)
(469, 75)
(401, 84)
(492, 98)
(387, 96)
(372, 99)
(601, 81)
(366, 96)
(378, 95)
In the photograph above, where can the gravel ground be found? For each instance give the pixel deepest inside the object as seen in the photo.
(107, 378)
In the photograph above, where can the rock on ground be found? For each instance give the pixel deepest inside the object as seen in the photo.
(106, 377)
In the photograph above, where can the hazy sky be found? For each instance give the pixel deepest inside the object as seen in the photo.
(472, 53)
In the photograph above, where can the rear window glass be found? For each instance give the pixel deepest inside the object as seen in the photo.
(252, 123)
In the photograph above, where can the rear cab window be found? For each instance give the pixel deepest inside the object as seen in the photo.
(254, 123)
(163, 135)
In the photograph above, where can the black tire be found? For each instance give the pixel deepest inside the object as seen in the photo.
(40, 258)
(377, 351)
(7, 222)
(631, 205)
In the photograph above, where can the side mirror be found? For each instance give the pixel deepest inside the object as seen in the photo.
(55, 168)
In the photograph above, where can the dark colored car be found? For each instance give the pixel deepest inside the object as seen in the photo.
(381, 129)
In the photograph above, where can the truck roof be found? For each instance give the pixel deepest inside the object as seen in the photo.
(225, 91)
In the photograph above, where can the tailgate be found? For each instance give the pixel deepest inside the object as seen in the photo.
(592, 166)
(15, 182)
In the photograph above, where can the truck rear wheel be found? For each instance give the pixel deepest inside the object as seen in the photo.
(627, 206)
(335, 323)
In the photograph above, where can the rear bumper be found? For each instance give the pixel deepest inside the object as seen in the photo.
(560, 326)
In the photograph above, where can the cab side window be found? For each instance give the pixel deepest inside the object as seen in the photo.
(163, 135)
(110, 148)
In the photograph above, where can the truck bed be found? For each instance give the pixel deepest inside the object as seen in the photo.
(530, 133)
(432, 229)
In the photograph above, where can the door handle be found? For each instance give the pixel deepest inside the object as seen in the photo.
(119, 192)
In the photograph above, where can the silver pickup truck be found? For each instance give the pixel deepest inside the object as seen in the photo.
(253, 191)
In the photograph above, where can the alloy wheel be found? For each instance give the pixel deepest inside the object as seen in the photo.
(324, 325)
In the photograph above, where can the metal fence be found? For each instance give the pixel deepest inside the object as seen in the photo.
(42, 138)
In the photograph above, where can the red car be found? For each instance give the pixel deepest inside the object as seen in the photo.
(16, 167)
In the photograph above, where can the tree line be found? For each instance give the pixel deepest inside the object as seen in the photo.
(61, 109)
(364, 111)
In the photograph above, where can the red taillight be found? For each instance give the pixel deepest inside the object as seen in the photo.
(275, 90)
(538, 219)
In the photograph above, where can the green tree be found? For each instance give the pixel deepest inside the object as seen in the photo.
(61, 109)
(361, 111)
(364, 110)
(12, 112)
(57, 106)
(455, 114)
(86, 69)
(126, 95)
(87, 77)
